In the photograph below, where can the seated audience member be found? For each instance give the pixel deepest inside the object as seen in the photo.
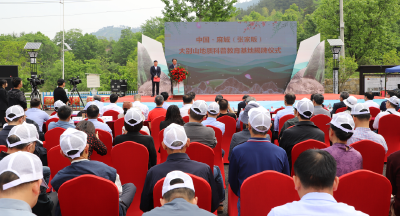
(113, 105)
(391, 105)
(20, 186)
(196, 131)
(96, 101)
(213, 111)
(36, 114)
(165, 96)
(218, 98)
(247, 101)
(350, 102)
(133, 122)
(389, 94)
(173, 116)
(361, 117)
(64, 116)
(347, 158)
(24, 137)
(178, 197)
(175, 142)
(144, 128)
(393, 174)
(257, 154)
(315, 180)
(290, 98)
(74, 147)
(14, 116)
(242, 104)
(318, 100)
(301, 131)
(93, 114)
(92, 138)
(143, 107)
(158, 110)
(187, 103)
(224, 107)
(343, 96)
(125, 106)
(369, 97)
(57, 105)
(193, 95)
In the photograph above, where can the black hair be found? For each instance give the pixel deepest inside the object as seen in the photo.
(187, 98)
(362, 117)
(290, 98)
(7, 177)
(223, 104)
(93, 111)
(174, 115)
(341, 135)
(307, 113)
(369, 95)
(11, 115)
(13, 139)
(35, 102)
(245, 96)
(2, 82)
(155, 61)
(218, 98)
(16, 81)
(312, 97)
(159, 100)
(319, 99)
(316, 169)
(135, 128)
(87, 127)
(391, 93)
(192, 94)
(184, 193)
(72, 152)
(165, 95)
(64, 112)
(113, 98)
(174, 59)
(196, 116)
(344, 95)
(60, 82)
(257, 132)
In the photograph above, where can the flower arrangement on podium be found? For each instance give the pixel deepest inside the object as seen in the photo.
(178, 75)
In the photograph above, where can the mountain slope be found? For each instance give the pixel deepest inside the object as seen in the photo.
(113, 32)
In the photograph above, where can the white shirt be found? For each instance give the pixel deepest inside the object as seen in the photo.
(184, 110)
(113, 106)
(316, 204)
(288, 110)
(99, 104)
(144, 108)
(371, 103)
(391, 110)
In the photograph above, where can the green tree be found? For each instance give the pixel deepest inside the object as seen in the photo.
(391, 58)
(153, 27)
(347, 67)
(125, 46)
(70, 37)
(86, 47)
(253, 16)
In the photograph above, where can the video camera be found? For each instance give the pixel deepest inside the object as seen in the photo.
(35, 80)
(75, 81)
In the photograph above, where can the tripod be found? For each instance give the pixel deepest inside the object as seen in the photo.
(71, 97)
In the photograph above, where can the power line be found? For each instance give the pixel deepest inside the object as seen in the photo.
(51, 2)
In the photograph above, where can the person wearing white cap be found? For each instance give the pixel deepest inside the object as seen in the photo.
(133, 122)
(303, 130)
(64, 118)
(196, 131)
(176, 142)
(256, 155)
(36, 114)
(391, 105)
(20, 180)
(24, 138)
(350, 102)
(347, 158)
(14, 116)
(213, 112)
(113, 105)
(93, 113)
(361, 117)
(96, 101)
(74, 147)
(178, 197)
(187, 103)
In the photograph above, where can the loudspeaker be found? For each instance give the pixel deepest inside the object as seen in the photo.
(115, 86)
(8, 72)
(124, 85)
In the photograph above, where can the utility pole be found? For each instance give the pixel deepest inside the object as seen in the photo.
(63, 50)
(342, 51)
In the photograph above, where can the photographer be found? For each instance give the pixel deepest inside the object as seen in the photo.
(3, 101)
(59, 92)
(15, 95)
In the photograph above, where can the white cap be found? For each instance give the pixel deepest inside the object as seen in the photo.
(394, 100)
(174, 133)
(187, 181)
(73, 139)
(213, 108)
(25, 165)
(360, 109)
(16, 110)
(259, 117)
(341, 119)
(303, 106)
(350, 101)
(58, 104)
(27, 133)
(134, 114)
(201, 105)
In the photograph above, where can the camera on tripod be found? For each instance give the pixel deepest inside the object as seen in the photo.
(75, 81)
(35, 80)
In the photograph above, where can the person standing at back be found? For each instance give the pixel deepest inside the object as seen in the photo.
(391, 105)
(158, 110)
(187, 103)
(318, 100)
(223, 109)
(343, 96)
(15, 95)
(36, 114)
(59, 93)
(3, 101)
(369, 97)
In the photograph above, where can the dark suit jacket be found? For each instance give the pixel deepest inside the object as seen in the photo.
(155, 72)
(60, 94)
(337, 106)
(3, 99)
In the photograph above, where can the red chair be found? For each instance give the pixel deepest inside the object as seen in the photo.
(202, 191)
(201, 153)
(283, 119)
(48, 122)
(321, 122)
(144, 133)
(374, 111)
(277, 110)
(367, 191)
(52, 137)
(56, 160)
(3, 148)
(112, 113)
(388, 128)
(98, 119)
(230, 129)
(154, 130)
(232, 202)
(186, 119)
(163, 152)
(100, 192)
(118, 127)
(131, 161)
(305, 145)
(53, 113)
(218, 151)
(264, 185)
(106, 138)
(373, 155)
(341, 110)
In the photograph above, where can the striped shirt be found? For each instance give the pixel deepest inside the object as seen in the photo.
(366, 134)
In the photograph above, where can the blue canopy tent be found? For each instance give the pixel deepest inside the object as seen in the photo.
(395, 69)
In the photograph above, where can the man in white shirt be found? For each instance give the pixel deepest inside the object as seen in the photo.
(97, 101)
(315, 180)
(391, 105)
(290, 98)
(36, 114)
(113, 105)
(187, 103)
(368, 97)
(145, 110)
